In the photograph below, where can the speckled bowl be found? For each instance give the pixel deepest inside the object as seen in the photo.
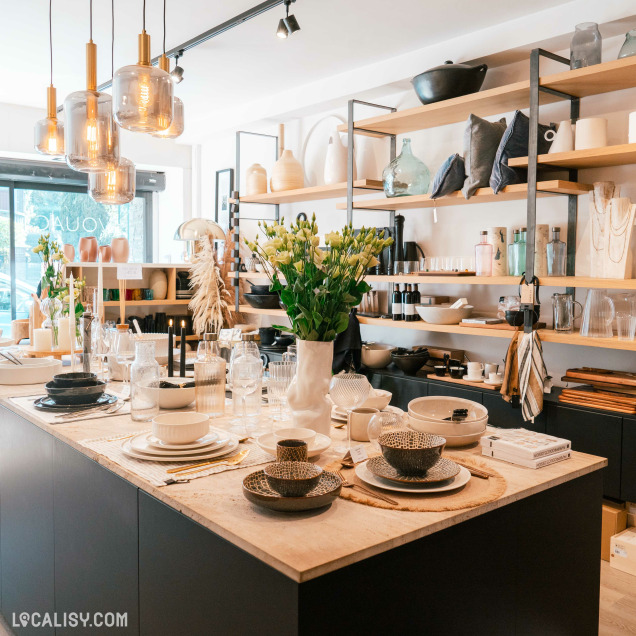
(292, 479)
(411, 452)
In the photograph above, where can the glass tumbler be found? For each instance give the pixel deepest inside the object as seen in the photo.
(563, 312)
(626, 324)
(144, 382)
(281, 375)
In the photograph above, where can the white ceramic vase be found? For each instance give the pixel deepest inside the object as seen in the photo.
(498, 238)
(307, 395)
(336, 161)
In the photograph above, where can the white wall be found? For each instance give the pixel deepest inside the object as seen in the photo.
(457, 229)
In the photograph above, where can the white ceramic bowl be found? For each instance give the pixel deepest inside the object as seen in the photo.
(437, 408)
(176, 398)
(443, 314)
(378, 399)
(447, 428)
(180, 428)
(453, 441)
(376, 355)
(304, 434)
(31, 371)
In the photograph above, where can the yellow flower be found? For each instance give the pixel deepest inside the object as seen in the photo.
(275, 243)
(372, 262)
(269, 250)
(284, 258)
(56, 257)
(315, 241)
(333, 239)
(353, 260)
(38, 248)
(299, 265)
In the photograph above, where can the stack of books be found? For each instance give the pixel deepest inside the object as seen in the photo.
(526, 448)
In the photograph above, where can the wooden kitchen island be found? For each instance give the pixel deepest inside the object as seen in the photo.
(80, 533)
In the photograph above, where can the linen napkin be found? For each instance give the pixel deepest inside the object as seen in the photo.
(532, 375)
(510, 385)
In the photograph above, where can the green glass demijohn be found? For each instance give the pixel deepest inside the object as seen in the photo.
(406, 174)
(629, 46)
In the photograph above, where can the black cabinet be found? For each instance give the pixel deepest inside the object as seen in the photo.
(628, 474)
(453, 390)
(501, 414)
(96, 555)
(594, 433)
(26, 521)
(404, 389)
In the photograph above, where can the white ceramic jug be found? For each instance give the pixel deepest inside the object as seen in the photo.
(562, 139)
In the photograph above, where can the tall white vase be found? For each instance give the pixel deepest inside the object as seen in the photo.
(498, 238)
(336, 161)
(307, 395)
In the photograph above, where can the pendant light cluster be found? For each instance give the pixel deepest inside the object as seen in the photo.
(143, 101)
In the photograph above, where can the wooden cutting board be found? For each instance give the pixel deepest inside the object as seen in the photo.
(500, 325)
(600, 396)
(596, 405)
(608, 386)
(603, 375)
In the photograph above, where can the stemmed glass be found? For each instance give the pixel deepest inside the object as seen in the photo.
(247, 374)
(124, 347)
(381, 423)
(348, 391)
(281, 375)
(243, 348)
(102, 337)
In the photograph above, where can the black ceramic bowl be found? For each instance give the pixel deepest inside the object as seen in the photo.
(261, 290)
(284, 341)
(267, 335)
(74, 379)
(447, 81)
(292, 479)
(411, 452)
(458, 372)
(262, 301)
(515, 317)
(77, 394)
(410, 362)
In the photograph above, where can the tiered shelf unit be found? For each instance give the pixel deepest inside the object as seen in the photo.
(571, 85)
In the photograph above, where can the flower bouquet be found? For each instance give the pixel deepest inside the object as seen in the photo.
(317, 288)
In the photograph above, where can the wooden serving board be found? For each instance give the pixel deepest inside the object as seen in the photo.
(478, 385)
(603, 375)
(596, 405)
(30, 352)
(500, 325)
(607, 386)
(603, 396)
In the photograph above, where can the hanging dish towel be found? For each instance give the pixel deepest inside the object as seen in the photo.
(532, 375)
(510, 385)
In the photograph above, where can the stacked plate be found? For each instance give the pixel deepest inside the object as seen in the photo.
(460, 422)
(30, 371)
(215, 444)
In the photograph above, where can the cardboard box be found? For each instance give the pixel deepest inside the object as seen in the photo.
(614, 521)
(623, 551)
(631, 520)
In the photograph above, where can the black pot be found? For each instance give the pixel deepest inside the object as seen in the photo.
(515, 317)
(447, 81)
(262, 301)
(410, 363)
(267, 335)
(284, 340)
(261, 290)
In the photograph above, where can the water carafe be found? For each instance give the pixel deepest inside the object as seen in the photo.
(563, 312)
(598, 315)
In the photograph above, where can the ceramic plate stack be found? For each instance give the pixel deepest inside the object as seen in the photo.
(31, 371)
(214, 444)
(432, 415)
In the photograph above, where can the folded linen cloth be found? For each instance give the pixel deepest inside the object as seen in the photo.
(532, 375)
(510, 385)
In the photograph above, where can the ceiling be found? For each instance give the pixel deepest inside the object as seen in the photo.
(242, 65)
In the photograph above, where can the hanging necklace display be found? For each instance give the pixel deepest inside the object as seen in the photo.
(620, 226)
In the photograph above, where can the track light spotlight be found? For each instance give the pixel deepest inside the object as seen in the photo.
(177, 71)
(288, 24)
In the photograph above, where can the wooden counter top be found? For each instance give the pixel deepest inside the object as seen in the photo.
(302, 545)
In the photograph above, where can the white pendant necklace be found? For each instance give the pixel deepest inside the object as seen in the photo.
(618, 237)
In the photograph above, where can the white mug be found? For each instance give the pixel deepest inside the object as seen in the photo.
(495, 378)
(591, 132)
(632, 128)
(563, 139)
(489, 368)
(359, 422)
(474, 369)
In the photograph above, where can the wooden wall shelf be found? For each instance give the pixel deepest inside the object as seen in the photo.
(623, 154)
(148, 303)
(592, 80)
(314, 193)
(483, 195)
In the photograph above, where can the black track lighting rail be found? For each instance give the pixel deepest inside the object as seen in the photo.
(237, 20)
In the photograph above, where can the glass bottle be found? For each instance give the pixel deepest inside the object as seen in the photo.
(585, 47)
(556, 254)
(144, 377)
(483, 255)
(629, 46)
(209, 377)
(521, 252)
(512, 255)
(396, 305)
(417, 300)
(406, 174)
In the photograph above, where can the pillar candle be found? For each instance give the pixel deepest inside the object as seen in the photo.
(99, 309)
(42, 339)
(71, 313)
(64, 333)
(170, 349)
(182, 360)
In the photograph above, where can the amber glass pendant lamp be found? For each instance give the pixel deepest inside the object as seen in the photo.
(142, 93)
(91, 137)
(49, 132)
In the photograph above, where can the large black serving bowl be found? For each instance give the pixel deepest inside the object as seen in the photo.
(72, 395)
(262, 301)
(410, 361)
(411, 452)
(447, 81)
(79, 378)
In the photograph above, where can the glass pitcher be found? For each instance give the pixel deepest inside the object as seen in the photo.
(563, 312)
(598, 315)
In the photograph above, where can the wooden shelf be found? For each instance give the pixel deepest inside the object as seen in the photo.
(147, 303)
(143, 265)
(314, 193)
(483, 195)
(548, 335)
(247, 309)
(592, 80)
(623, 154)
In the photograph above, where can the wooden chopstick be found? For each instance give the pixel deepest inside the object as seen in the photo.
(476, 472)
(203, 463)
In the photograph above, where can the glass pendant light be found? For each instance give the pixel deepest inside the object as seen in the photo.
(176, 127)
(114, 187)
(142, 93)
(49, 132)
(91, 137)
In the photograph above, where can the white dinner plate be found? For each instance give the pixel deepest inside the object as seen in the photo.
(474, 380)
(489, 383)
(206, 440)
(340, 415)
(226, 450)
(141, 444)
(319, 444)
(368, 477)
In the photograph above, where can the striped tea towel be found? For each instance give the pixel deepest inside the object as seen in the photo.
(532, 375)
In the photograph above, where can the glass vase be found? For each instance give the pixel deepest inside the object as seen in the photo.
(585, 47)
(629, 46)
(144, 377)
(406, 174)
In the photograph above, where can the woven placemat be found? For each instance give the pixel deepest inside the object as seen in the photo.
(475, 493)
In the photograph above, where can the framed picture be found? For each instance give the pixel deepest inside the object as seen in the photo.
(224, 187)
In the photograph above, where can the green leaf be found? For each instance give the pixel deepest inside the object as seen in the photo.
(343, 322)
(317, 318)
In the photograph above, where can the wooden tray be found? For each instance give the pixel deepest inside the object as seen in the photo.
(500, 325)
(478, 385)
(602, 375)
(30, 352)
(595, 405)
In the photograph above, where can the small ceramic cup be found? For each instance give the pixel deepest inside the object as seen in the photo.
(304, 434)
(148, 294)
(136, 294)
(490, 367)
(114, 294)
(359, 422)
(291, 450)
(440, 370)
(495, 378)
(474, 369)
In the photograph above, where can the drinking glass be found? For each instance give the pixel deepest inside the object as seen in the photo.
(247, 378)
(125, 353)
(381, 423)
(626, 324)
(291, 355)
(102, 337)
(281, 375)
(348, 391)
(243, 348)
